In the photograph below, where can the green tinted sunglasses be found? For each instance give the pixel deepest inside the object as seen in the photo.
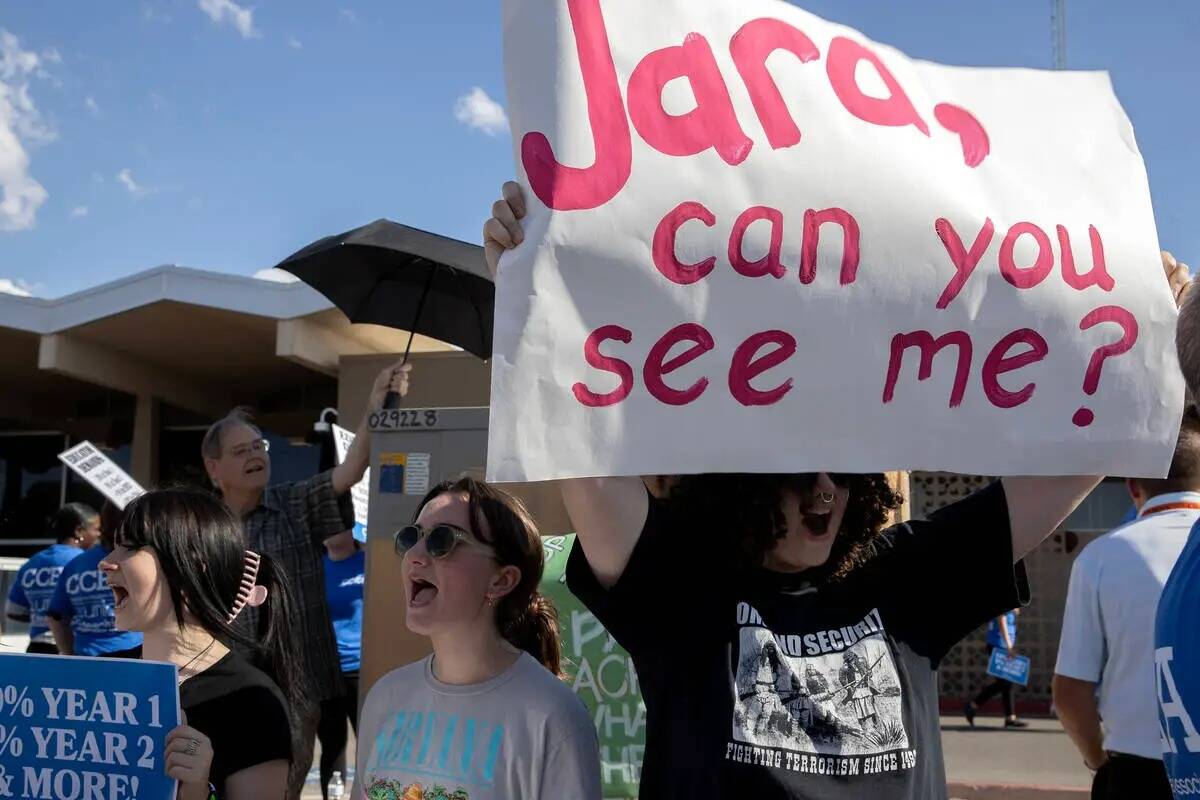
(440, 540)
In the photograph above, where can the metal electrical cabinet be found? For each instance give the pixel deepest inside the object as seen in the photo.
(412, 450)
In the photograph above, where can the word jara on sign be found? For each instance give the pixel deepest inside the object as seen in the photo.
(713, 123)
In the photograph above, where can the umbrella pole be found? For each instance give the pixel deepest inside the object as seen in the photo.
(392, 400)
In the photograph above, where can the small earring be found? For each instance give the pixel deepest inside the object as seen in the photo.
(491, 600)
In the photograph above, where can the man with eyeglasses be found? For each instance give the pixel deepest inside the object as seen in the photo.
(290, 522)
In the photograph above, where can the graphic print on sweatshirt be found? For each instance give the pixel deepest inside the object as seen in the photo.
(832, 693)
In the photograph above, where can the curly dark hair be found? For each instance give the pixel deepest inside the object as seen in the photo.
(749, 508)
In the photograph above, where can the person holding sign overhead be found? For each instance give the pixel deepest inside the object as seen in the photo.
(290, 522)
(181, 575)
(76, 527)
(81, 611)
(696, 585)
(499, 722)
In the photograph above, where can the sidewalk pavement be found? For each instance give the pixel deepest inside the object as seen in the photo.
(990, 761)
(987, 762)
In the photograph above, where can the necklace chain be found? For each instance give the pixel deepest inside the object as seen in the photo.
(196, 658)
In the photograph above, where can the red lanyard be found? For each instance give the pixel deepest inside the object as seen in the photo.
(1181, 505)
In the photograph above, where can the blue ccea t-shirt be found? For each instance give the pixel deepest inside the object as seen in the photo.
(30, 595)
(83, 595)
(344, 592)
(995, 638)
(1177, 669)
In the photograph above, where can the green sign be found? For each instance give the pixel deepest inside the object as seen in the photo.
(602, 674)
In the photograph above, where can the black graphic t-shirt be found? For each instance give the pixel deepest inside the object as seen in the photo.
(763, 685)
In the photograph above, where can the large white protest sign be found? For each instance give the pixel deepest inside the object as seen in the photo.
(360, 493)
(759, 241)
(90, 463)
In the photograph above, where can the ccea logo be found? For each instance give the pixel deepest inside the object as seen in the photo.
(42, 577)
(1171, 707)
(91, 581)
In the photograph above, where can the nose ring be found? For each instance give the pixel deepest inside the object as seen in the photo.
(825, 497)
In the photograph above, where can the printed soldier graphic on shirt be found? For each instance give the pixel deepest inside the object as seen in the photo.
(829, 693)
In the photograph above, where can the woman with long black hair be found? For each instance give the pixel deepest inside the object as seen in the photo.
(180, 573)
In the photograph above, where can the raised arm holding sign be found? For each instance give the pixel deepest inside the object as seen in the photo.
(762, 280)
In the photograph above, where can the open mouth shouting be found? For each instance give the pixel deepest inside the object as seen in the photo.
(816, 519)
(120, 597)
(421, 592)
(255, 466)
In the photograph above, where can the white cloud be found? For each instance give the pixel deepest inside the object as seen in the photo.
(276, 275)
(21, 124)
(348, 14)
(239, 17)
(18, 287)
(477, 110)
(52, 56)
(125, 178)
(295, 43)
(79, 211)
(91, 105)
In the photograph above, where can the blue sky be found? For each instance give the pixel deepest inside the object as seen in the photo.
(224, 136)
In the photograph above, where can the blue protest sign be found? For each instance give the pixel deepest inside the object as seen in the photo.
(1008, 667)
(79, 728)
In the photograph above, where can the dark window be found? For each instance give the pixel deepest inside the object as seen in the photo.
(1107, 507)
(30, 485)
(179, 458)
(292, 462)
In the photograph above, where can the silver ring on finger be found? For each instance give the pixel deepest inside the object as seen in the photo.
(191, 747)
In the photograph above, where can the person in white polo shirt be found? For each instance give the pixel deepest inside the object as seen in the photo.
(1104, 688)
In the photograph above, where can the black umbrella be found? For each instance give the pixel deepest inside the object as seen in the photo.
(390, 274)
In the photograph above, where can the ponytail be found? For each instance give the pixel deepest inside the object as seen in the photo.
(276, 650)
(534, 629)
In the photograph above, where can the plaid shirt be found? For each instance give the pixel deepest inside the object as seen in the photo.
(290, 524)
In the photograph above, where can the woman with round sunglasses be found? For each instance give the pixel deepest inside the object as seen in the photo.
(486, 716)
(859, 614)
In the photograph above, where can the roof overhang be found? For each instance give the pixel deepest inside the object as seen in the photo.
(198, 340)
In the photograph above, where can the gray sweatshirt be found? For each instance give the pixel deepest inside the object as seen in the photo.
(522, 734)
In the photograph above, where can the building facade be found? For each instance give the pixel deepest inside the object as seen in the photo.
(141, 367)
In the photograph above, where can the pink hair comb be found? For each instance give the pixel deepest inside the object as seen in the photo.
(250, 593)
